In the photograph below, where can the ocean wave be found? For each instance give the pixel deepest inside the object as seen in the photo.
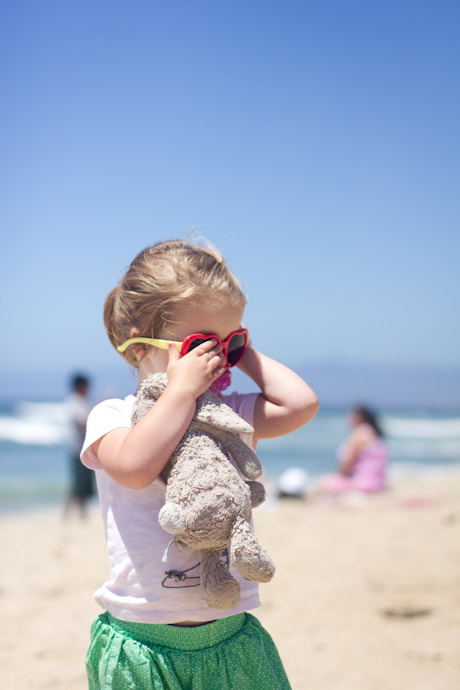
(44, 411)
(36, 424)
(33, 431)
(447, 449)
(422, 427)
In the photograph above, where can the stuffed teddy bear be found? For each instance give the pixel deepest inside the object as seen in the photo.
(208, 504)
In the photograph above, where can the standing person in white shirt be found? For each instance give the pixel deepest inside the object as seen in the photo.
(78, 406)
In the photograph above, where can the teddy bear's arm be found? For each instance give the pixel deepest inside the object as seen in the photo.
(216, 414)
(245, 458)
(258, 493)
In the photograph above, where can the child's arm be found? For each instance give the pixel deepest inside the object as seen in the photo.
(286, 402)
(135, 457)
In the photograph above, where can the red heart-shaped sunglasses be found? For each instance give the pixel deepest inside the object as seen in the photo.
(233, 346)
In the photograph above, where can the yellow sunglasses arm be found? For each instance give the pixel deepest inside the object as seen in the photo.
(156, 342)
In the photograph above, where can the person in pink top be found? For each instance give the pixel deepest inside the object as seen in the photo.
(363, 457)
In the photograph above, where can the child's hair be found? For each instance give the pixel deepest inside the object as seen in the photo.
(161, 277)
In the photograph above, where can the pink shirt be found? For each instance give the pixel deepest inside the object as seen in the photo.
(369, 471)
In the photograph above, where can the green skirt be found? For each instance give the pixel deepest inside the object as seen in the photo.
(234, 653)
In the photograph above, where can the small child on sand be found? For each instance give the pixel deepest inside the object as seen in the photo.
(157, 631)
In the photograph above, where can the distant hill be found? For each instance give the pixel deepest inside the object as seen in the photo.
(381, 385)
(336, 384)
(342, 383)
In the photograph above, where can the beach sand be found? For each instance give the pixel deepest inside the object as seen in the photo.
(365, 597)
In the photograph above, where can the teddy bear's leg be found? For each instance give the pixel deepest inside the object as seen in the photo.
(219, 588)
(257, 493)
(247, 555)
(172, 518)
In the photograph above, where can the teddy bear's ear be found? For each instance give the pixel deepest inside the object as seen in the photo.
(213, 412)
(152, 387)
(149, 392)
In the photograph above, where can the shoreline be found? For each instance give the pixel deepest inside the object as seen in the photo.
(400, 472)
(368, 592)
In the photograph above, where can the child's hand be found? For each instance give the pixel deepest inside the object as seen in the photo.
(249, 346)
(197, 370)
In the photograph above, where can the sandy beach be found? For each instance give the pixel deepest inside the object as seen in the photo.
(366, 597)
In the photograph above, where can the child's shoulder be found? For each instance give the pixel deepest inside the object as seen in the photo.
(106, 416)
(110, 406)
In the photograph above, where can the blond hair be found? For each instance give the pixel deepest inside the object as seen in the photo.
(158, 280)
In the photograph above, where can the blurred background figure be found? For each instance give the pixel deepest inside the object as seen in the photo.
(78, 406)
(363, 457)
(293, 483)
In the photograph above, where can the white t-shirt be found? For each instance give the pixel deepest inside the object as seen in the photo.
(142, 588)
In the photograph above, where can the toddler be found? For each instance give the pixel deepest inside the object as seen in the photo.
(179, 310)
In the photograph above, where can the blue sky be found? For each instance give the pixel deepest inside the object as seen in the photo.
(315, 143)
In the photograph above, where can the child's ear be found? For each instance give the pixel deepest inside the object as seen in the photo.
(138, 349)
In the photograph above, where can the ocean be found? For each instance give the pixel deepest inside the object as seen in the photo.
(34, 460)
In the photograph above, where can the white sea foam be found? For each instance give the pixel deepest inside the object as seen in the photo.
(422, 427)
(46, 411)
(32, 432)
(425, 448)
(41, 424)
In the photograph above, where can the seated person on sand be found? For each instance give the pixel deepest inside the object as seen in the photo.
(363, 458)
